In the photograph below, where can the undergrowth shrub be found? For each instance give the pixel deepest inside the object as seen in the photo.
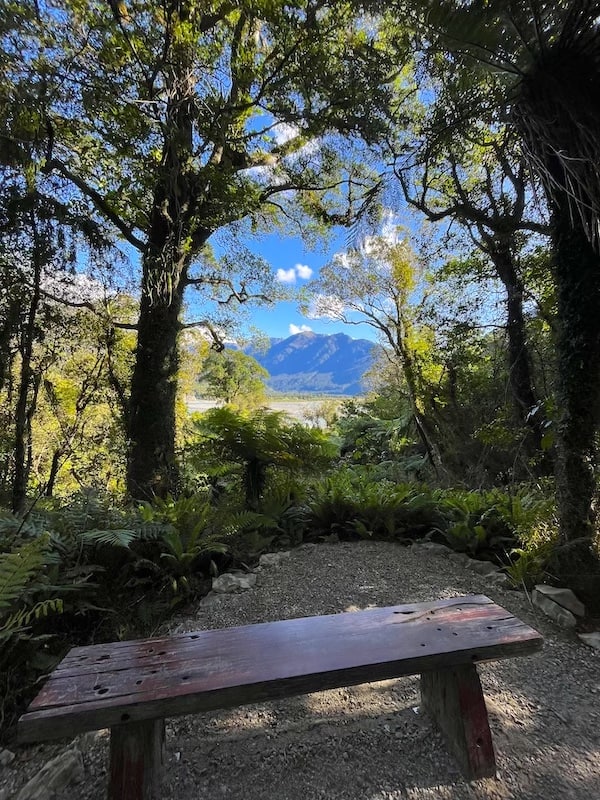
(253, 447)
(355, 502)
(85, 571)
(352, 505)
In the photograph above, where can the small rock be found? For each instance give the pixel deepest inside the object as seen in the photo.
(230, 584)
(459, 558)
(54, 776)
(500, 579)
(564, 598)
(484, 568)
(560, 615)
(591, 639)
(209, 600)
(87, 740)
(6, 758)
(434, 547)
(273, 559)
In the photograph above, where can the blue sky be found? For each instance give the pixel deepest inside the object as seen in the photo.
(293, 264)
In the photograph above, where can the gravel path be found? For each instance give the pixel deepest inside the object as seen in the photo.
(371, 742)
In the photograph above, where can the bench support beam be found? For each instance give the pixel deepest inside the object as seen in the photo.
(136, 758)
(454, 698)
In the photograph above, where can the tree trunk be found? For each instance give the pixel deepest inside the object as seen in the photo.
(577, 271)
(49, 491)
(519, 364)
(173, 238)
(8, 327)
(151, 468)
(556, 113)
(24, 408)
(255, 473)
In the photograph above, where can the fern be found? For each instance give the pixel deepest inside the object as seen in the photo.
(18, 568)
(120, 537)
(22, 618)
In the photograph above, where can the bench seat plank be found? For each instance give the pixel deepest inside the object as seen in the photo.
(108, 685)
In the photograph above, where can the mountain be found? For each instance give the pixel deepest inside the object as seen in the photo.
(317, 362)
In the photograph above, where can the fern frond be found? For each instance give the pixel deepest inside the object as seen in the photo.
(120, 537)
(22, 618)
(19, 567)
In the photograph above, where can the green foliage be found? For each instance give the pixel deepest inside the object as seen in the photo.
(351, 504)
(252, 444)
(355, 502)
(18, 568)
(492, 523)
(532, 561)
(234, 377)
(29, 601)
(116, 538)
(185, 539)
(87, 570)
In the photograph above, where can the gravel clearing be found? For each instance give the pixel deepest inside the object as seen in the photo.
(370, 742)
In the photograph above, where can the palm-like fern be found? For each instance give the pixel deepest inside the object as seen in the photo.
(546, 58)
(119, 537)
(256, 442)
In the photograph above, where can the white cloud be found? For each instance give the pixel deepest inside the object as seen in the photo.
(289, 275)
(286, 275)
(294, 329)
(284, 133)
(389, 228)
(303, 271)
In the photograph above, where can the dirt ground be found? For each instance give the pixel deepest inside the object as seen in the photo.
(370, 742)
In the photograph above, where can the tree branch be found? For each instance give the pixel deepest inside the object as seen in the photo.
(98, 200)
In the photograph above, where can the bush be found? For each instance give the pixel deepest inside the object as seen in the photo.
(88, 571)
(352, 504)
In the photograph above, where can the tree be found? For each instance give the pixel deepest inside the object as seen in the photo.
(42, 228)
(181, 118)
(376, 284)
(478, 182)
(257, 442)
(234, 377)
(37, 232)
(545, 80)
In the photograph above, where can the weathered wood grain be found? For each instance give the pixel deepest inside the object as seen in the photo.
(107, 685)
(136, 759)
(454, 698)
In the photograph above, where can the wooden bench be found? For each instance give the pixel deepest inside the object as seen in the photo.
(130, 687)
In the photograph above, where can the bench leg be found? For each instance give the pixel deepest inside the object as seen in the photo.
(136, 756)
(455, 700)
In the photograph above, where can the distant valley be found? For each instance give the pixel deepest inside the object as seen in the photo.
(317, 363)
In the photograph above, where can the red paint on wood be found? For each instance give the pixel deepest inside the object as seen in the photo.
(136, 756)
(454, 698)
(102, 685)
